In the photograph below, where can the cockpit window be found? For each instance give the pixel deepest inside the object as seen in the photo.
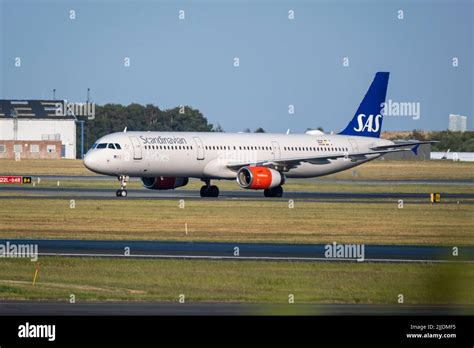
(94, 146)
(111, 146)
(101, 146)
(117, 146)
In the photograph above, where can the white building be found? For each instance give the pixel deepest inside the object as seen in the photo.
(37, 120)
(453, 156)
(457, 123)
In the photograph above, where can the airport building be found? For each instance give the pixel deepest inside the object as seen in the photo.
(30, 149)
(457, 123)
(33, 129)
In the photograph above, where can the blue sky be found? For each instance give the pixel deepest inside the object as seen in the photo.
(282, 61)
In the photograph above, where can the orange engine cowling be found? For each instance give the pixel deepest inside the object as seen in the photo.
(259, 178)
(164, 182)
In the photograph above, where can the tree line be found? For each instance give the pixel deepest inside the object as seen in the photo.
(111, 118)
(456, 141)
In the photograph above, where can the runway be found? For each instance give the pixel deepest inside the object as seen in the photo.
(100, 193)
(109, 308)
(30, 192)
(241, 251)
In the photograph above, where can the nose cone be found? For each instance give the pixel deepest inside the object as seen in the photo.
(91, 161)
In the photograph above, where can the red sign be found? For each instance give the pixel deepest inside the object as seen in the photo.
(11, 180)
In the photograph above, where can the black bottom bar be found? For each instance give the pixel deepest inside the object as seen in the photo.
(228, 330)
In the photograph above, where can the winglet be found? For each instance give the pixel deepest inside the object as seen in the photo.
(415, 149)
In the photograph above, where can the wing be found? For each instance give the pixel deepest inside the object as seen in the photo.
(286, 164)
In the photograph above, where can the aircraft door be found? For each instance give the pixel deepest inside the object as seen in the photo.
(355, 146)
(276, 150)
(200, 148)
(137, 148)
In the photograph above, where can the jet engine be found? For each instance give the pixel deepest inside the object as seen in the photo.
(164, 182)
(259, 178)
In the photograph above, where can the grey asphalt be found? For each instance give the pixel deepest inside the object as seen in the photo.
(240, 251)
(79, 193)
(37, 308)
(61, 192)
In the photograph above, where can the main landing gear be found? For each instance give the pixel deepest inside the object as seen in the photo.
(123, 183)
(209, 190)
(273, 192)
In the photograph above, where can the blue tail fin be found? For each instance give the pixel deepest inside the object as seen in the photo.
(367, 121)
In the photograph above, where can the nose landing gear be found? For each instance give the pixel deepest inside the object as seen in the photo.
(123, 183)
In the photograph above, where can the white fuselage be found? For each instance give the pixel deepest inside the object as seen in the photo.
(207, 155)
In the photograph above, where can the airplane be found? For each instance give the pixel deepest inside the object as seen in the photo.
(257, 161)
(445, 156)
